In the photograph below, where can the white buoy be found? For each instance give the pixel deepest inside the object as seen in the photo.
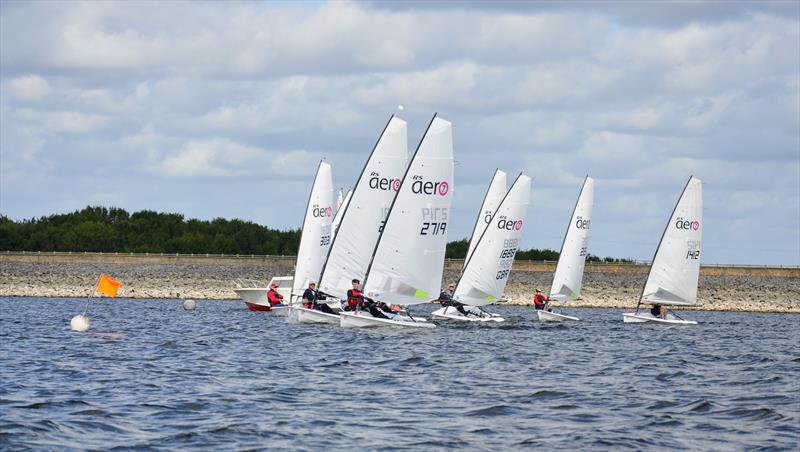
(189, 305)
(401, 108)
(79, 323)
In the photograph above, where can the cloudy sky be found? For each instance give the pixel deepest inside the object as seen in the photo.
(223, 109)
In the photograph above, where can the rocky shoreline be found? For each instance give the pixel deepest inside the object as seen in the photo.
(607, 290)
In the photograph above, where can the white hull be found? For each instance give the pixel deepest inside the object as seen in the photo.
(451, 313)
(646, 317)
(366, 320)
(300, 314)
(547, 316)
(279, 311)
(253, 295)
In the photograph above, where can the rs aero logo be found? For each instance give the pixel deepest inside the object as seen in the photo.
(508, 225)
(321, 212)
(376, 182)
(693, 225)
(422, 187)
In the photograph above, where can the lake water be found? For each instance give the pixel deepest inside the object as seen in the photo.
(222, 377)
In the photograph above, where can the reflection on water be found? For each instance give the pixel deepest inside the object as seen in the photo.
(221, 376)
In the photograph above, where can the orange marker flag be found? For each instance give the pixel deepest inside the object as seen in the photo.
(108, 286)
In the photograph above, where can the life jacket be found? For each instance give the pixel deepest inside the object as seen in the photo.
(354, 298)
(539, 299)
(309, 304)
(274, 297)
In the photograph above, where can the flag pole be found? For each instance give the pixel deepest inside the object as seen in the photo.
(89, 298)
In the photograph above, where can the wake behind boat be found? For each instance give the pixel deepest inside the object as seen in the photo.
(675, 270)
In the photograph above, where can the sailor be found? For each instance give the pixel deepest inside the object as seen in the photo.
(446, 299)
(540, 301)
(310, 297)
(275, 298)
(659, 311)
(355, 299)
(378, 308)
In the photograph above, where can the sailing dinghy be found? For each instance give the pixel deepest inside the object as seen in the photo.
(315, 236)
(568, 276)
(485, 273)
(362, 215)
(408, 260)
(672, 280)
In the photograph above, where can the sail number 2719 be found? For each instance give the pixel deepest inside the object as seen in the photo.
(433, 228)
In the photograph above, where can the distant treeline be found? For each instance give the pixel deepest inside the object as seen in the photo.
(100, 229)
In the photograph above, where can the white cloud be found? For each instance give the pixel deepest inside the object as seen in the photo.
(74, 122)
(31, 88)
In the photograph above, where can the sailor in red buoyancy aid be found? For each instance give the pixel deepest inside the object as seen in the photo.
(355, 299)
(275, 298)
(540, 301)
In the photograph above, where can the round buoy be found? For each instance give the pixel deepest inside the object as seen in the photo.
(79, 323)
(189, 305)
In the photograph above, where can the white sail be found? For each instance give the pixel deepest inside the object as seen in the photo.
(408, 262)
(339, 200)
(572, 258)
(497, 190)
(342, 207)
(676, 266)
(316, 235)
(362, 219)
(486, 272)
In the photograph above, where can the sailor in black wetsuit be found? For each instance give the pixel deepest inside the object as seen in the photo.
(446, 299)
(310, 298)
(659, 311)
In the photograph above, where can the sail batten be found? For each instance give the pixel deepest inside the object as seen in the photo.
(675, 269)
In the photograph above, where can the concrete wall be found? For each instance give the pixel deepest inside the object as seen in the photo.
(450, 264)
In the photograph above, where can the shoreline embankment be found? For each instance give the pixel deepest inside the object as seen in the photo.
(611, 285)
